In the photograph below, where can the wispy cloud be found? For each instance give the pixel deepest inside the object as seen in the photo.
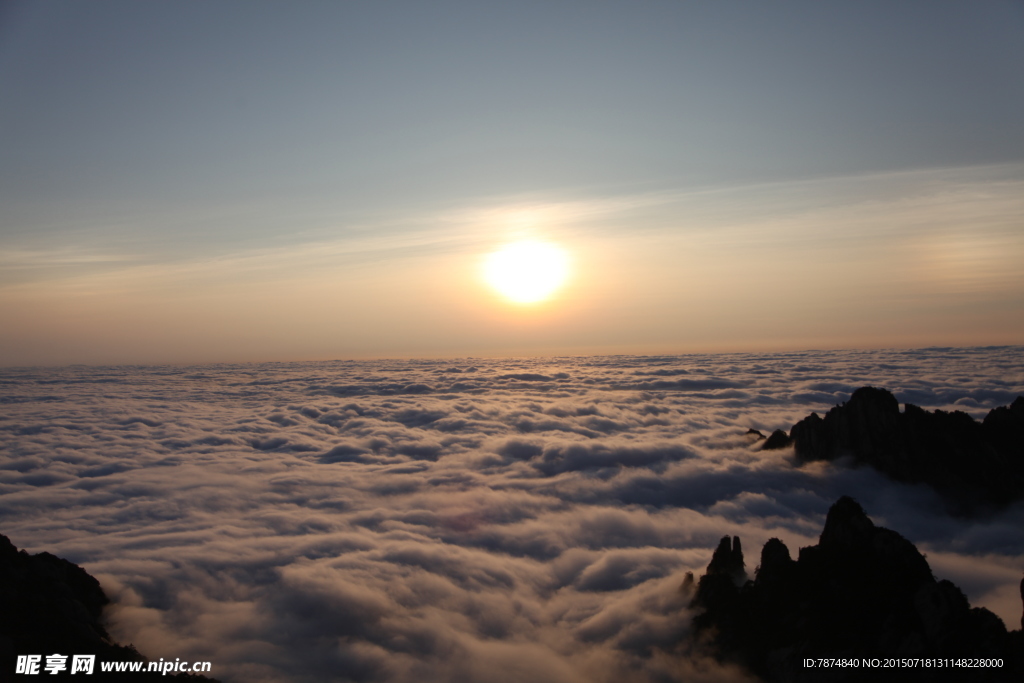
(843, 211)
(908, 258)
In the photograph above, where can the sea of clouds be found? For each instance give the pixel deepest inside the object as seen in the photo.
(476, 520)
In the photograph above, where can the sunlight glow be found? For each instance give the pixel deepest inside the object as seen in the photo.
(526, 272)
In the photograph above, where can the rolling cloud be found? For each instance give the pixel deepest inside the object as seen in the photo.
(477, 520)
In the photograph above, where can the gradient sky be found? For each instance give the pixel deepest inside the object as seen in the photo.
(233, 181)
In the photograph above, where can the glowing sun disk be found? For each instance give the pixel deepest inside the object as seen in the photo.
(526, 272)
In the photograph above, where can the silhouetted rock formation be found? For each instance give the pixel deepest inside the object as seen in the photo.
(973, 465)
(863, 591)
(778, 439)
(755, 435)
(728, 561)
(49, 605)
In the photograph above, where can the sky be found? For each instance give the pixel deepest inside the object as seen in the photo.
(251, 181)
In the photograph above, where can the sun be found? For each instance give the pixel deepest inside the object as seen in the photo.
(526, 272)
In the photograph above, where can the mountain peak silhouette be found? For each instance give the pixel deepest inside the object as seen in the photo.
(974, 466)
(50, 605)
(862, 591)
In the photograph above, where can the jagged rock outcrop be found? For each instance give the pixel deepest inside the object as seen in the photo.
(863, 591)
(754, 435)
(778, 439)
(49, 605)
(974, 466)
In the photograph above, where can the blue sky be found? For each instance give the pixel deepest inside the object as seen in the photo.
(367, 154)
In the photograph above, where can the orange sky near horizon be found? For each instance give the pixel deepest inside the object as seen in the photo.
(786, 267)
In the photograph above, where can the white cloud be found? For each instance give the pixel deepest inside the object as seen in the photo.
(303, 521)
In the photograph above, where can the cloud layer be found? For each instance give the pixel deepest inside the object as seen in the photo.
(490, 520)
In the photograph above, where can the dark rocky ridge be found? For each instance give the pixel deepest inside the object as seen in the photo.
(49, 605)
(974, 466)
(863, 591)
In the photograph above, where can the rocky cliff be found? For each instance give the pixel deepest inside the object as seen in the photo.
(863, 591)
(49, 605)
(974, 466)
